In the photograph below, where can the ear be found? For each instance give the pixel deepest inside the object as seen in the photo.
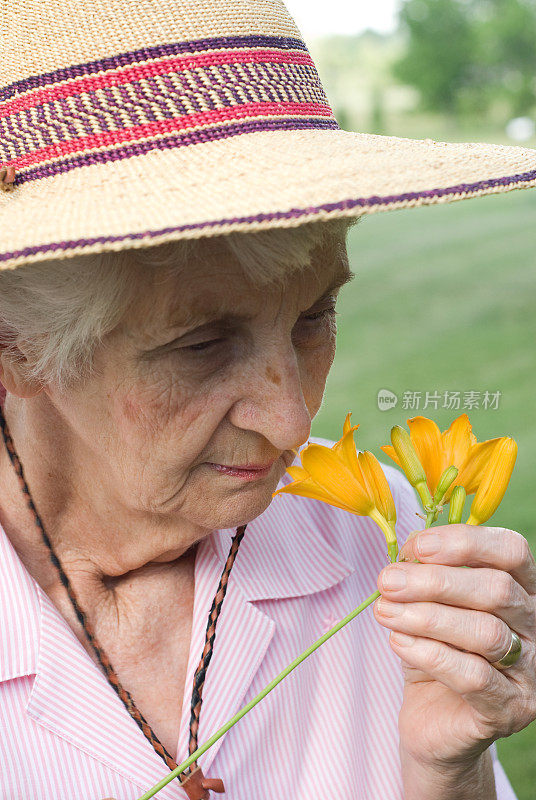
(13, 374)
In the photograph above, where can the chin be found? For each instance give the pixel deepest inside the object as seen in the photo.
(239, 509)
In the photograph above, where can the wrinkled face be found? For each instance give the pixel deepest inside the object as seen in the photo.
(207, 369)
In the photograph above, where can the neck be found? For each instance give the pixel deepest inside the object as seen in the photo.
(100, 542)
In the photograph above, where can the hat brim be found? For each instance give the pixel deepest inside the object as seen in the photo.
(251, 181)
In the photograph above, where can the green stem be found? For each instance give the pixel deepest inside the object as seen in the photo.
(393, 550)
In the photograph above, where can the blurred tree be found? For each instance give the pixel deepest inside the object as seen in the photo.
(507, 50)
(354, 71)
(464, 55)
(343, 117)
(377, 116)
(469, 65)
(441, 49)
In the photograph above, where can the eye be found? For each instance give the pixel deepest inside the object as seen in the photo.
(203, 345)
(320, 315)
(210, 344)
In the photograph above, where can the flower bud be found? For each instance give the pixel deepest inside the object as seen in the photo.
(494, 482)
(409, 461)
(457, 502)
(445, 481)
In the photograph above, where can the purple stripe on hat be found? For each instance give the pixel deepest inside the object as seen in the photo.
(294, 213)
(158, 98)
(177, 140)
(158, 51)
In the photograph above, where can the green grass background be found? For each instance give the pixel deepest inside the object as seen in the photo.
(444, 298)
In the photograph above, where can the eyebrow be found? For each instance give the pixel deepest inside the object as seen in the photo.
(338, 282)
(191, 320)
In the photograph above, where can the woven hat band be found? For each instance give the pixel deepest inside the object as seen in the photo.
(167, 96)
(100, 101)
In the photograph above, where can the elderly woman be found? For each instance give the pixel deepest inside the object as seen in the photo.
(167, 326)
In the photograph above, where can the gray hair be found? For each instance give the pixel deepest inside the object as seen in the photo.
(61, 309)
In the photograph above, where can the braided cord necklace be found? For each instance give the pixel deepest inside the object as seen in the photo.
(195, 784)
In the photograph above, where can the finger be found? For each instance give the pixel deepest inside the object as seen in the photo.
(480, 589)
(414, 675)
(485, 688)
(471, 631)
(475, 546)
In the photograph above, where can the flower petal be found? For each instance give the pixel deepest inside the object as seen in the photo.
(376, 480)
(457, 441)
(327, 469)
(347, 425)
(308, 488)
(391, 452)
(495, 481)
(474, 466)
(339, 446)
(426, 439)
(349, 457)
(298, 473)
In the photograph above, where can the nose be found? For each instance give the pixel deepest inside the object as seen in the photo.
(276, 399)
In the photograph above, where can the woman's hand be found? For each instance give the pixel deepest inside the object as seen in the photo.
(455, 703)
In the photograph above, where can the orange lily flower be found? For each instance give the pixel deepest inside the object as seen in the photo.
(493, 485)
(457, 446)
(341, 477)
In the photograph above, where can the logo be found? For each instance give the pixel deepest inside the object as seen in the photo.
(386, 399)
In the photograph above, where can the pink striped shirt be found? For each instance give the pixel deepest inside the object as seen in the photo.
(302, 566)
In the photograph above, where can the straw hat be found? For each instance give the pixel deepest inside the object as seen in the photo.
(128, 123)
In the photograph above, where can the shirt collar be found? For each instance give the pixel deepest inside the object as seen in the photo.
(20, 615)
(286, 551)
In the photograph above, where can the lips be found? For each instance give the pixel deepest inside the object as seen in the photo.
(287, 456)
(243, 474)
(248, 467)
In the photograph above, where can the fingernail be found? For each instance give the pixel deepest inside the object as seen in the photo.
(402, 639)
(388, 609)
(429, 544)
(394, 579)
